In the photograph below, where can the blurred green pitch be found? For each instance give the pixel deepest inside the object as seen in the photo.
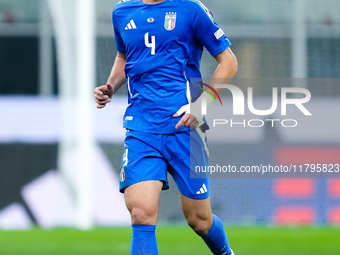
(174, 240)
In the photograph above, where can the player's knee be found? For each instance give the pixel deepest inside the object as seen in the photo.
(201, 225)
(143, 216)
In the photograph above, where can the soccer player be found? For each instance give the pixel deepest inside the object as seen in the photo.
(159, 44)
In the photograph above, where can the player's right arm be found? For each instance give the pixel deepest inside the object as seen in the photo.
(116, 80)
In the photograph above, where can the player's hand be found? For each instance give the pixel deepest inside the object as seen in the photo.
(103, 95)
(188, 120)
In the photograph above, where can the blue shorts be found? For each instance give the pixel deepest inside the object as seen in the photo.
(151, 156)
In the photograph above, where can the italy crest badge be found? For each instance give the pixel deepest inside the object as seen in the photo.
(170, 21)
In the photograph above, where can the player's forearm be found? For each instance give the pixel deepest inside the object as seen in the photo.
(117, 76)
(226, 69)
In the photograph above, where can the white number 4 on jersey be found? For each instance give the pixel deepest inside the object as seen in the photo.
(151, 44)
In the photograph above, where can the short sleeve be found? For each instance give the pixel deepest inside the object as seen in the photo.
(208, 32)
(119, 41)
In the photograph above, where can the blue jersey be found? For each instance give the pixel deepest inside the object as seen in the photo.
(163, 44)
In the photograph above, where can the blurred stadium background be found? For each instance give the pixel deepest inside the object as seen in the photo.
(44, 180)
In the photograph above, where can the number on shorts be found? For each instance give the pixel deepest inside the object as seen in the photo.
(125, 157)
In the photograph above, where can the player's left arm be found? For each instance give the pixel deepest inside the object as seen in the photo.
(225, 71)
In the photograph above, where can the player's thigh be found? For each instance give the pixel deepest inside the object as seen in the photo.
(197, 209)
(142, 200)
(198, 214)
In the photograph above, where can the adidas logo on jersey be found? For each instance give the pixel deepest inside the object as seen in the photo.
(131, 25)
(202, 190)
